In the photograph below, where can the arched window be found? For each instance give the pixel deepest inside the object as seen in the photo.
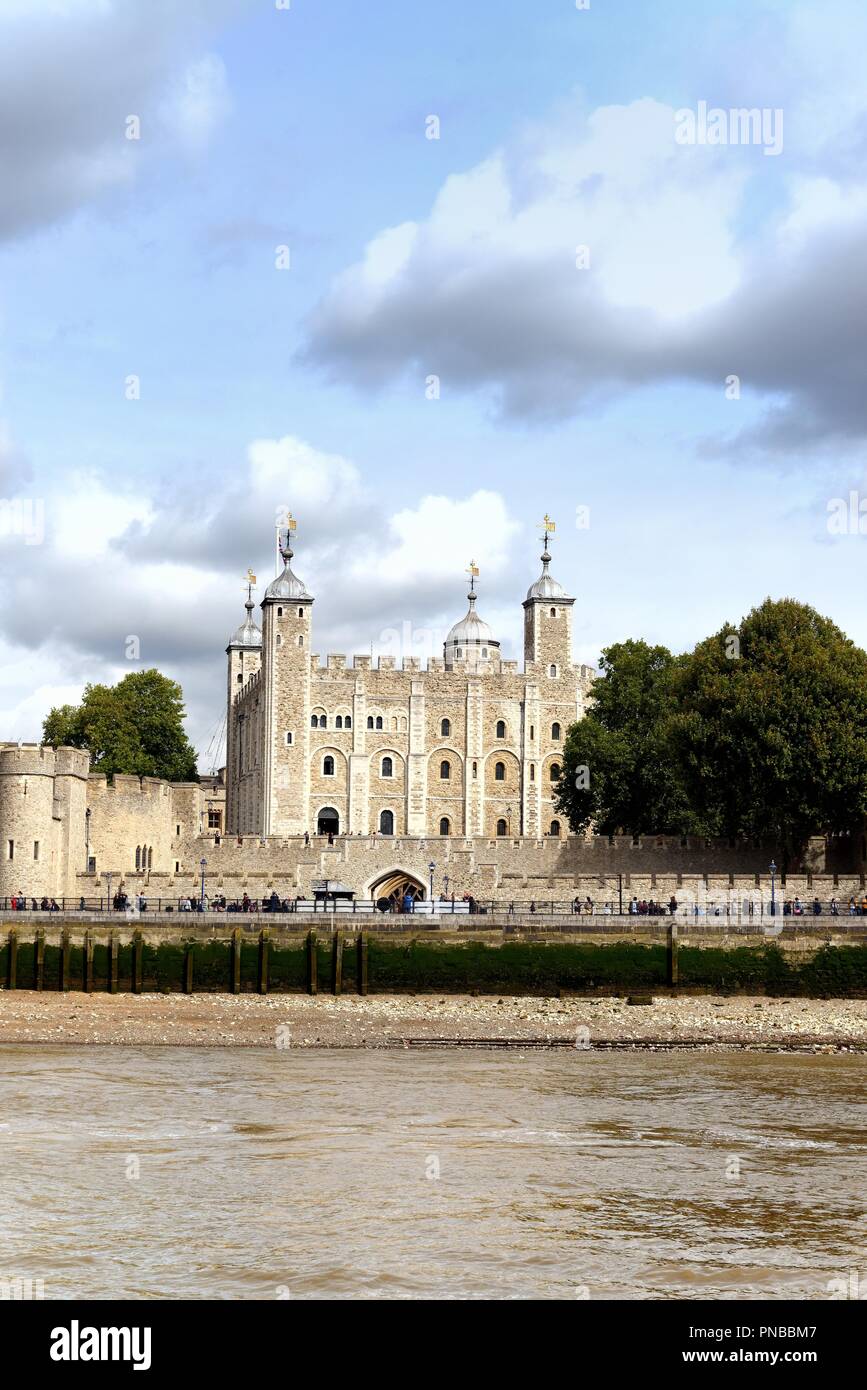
(301, 641)
(445, 827)
(279, 612)
(387, 767)
(150, 856)
(552, 672)
(279, 640)
(500, 772)
(445, 728)
(386, 822)
(445, 770)
(502, 828)
(501, 728)
(300, 612)
(338, 723)
(475, 769)
(347, 722)
(554, 774)
(553, 612)
(370, 721)
(328, 767)
(138, 856)
(323, 721)
(555, 732)
(379, 721)
(314, 721)
(532, 772)
(555, 827)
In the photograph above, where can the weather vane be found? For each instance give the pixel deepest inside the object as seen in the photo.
(549, 527)
(472, 571)
(285, 529)
(249, 581)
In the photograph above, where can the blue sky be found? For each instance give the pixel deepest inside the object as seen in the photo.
(559, 388)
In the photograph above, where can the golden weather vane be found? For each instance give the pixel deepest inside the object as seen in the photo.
(473, 572)
(548, 527)
(249, 581)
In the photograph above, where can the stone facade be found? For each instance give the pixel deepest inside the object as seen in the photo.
(468, 746)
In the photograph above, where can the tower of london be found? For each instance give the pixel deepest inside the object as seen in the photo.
(468, 746)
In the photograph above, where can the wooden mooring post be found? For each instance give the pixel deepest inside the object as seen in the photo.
(236, 961)
(64, 960)
(337, 963)
(311, 963)
(671, 955)
(113, 959)
(88, 962)
(39, 959)
(137, 948)
(188, 968)
(264, 950)
(361, 968)
(12, 974)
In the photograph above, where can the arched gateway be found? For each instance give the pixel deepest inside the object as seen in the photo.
(393, 888)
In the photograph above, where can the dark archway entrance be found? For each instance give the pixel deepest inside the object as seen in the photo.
(391, 891)
(328, 821)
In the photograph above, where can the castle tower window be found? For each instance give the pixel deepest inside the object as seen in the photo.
(555, 772)
(555, 827)
(347, 722)
(459, 653)
(553, 612)
(35, 849)
(445, 826)
(370, 721)
(501, 728)
(475, 769)
(500, 772)
(387, 767)
(338, 723)
(532, 732)
(150, 856)
(314, 721)
(323, 721)
(379, 721)
(279, 612)
(555, 733)
(327, 767)
(386, 822)
(240, 678)
(289, 738)
(445, 770)
(279, 640)
(484, 651)
(138, 857)
(300, 612)
(10, 852)
(177, 831)
(502, 828)
(552, 672)
(301, 641)
(445, 728)
(532, 772)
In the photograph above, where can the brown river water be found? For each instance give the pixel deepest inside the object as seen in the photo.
(226, 1174)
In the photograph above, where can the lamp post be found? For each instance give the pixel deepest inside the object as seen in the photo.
(108, 899)
(87, 840)
(203, 863)
(430, 868)
(773, 869)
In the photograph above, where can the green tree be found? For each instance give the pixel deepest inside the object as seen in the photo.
(618, 772)
(133, 727)
(770, 727)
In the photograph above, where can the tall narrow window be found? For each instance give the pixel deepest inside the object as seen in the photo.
(11, 849)
(338, 723)
(387, 767)
(379, 721)
(501, 728)
(502, 828)
(555, 772)
(138, 856)
(500, 772)
(552, 672)
(445, 728)
(347, 722)
(386, 822)
(328, 767)
(35, 849)
(370, 721)
(555, 733)
(445, 771)
(555, 827)
(444, 826)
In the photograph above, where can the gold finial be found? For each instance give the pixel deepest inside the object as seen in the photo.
(548, 528)
(473, 568)
(250, 578)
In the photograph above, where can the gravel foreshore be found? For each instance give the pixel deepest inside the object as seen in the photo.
(221, 1020)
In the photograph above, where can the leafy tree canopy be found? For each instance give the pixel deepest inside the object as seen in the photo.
(760, 731)
(133, 727)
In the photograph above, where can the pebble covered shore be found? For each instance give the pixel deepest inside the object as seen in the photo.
(220, 1020)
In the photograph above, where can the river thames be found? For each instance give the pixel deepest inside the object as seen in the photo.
(225, 1173)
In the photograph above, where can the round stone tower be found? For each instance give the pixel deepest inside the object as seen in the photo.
(43, 794)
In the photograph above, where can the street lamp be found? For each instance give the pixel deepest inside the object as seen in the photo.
(203, 863)
(773, 869)
(430, 868)
(87, 840)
